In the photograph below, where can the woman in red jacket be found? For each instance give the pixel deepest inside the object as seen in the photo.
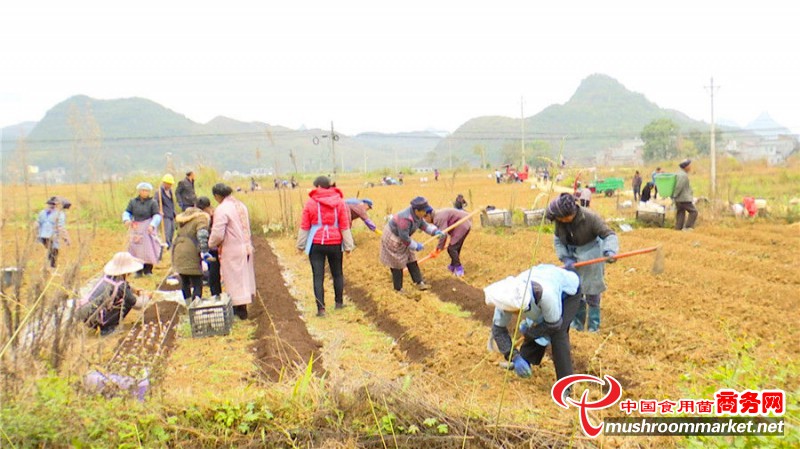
(325, 234)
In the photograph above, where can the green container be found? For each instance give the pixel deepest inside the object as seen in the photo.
(665, 183)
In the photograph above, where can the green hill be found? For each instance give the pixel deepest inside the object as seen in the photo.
(601, 112)
(99, 137)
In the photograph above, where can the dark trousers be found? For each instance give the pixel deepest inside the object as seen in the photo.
(635, 195)
(559, 340)
(192, 286)
(413, 270)
(455, 253)
(214, 278)
(680, 215)
(335, 257)
(52, 251)
(147, 269)
(585, 203)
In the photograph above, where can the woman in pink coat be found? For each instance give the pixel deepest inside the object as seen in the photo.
(231, 235)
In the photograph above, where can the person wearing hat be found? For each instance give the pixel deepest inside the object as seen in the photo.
(683, 197)
(166, 207)
(231, 237)
(107, 304)
(359, 208)
(325, 235)
(184, 193)
(581, 234)
(142, 219)
(548, 298)
(52, 228)
(443, 219)
(397, 247)
(190, 243)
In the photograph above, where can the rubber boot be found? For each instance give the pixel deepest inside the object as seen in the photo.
(450, 268)
(594, 318)
(459, 271)
(580, 317)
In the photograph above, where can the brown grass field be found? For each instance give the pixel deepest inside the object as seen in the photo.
(723, 313)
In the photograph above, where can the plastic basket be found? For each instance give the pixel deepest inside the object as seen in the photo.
(665, 183)
(496, 218)
(211, 316)
(534, 217)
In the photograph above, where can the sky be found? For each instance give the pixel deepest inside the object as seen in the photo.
(413, 65)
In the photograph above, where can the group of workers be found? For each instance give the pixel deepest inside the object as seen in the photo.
(199, 235)
(325, 235)
(551, 299)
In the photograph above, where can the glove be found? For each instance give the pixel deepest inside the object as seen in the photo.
(610, 256)
(525, 325)
(521, 367)
(440, 234)
(569, 263)
(208, 257)
(415, 246)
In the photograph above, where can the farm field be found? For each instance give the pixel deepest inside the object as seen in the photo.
(392, 370)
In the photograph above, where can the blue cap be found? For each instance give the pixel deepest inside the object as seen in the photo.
(368, 202)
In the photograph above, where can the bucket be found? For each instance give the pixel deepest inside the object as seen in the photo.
(8, 275)
(761, 203)
(665, 183)
(749, 204)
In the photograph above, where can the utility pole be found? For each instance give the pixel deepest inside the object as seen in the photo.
(334, 137)
(713, 146)
(522, 127)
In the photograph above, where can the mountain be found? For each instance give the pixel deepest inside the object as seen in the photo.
(119, 136)
(765, 126)
(14, 132)
(601, 113)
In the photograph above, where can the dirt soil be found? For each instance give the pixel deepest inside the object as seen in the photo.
(415, 350)
(281, 339)
(467, 297)
(149, 341)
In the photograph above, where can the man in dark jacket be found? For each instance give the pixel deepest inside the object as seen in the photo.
(185, 191)
(683, 197)
(166, 207)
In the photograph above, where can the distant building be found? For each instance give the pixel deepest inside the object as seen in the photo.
(628, 153)
(56, 175)
(773, 150)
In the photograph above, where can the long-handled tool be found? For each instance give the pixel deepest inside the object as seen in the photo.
(453, 226)
(658, 266)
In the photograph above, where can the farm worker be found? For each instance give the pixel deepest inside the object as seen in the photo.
(585, 196)
(166, 207)
(212, 258)
(230, 236)
(682, 196)
(460, 202)
(653, 180)
(443, 219)
(647, 192)
(359, 208)
(142, 219)
(190, 243)
(397, 247)
(52, 228)
(548, 298)
(325, 234)
(112, 297)
(497, 175)
(637, 185)
(581, 234)
(185, 191)
(435, 174)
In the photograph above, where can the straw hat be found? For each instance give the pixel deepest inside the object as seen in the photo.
(122, 263)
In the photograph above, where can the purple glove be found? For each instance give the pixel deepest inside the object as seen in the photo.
(569, 263)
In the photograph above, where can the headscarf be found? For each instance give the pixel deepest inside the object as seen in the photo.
(144, 186)
(419, 203)
(561, 207)
(685, 163)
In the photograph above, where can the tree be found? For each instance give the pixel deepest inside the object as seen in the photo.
(660, 139)
(480, 150)
(537, 153)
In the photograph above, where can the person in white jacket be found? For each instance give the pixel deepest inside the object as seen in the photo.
(547, 297)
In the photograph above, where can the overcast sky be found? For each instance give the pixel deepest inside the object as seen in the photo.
(397, 66)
